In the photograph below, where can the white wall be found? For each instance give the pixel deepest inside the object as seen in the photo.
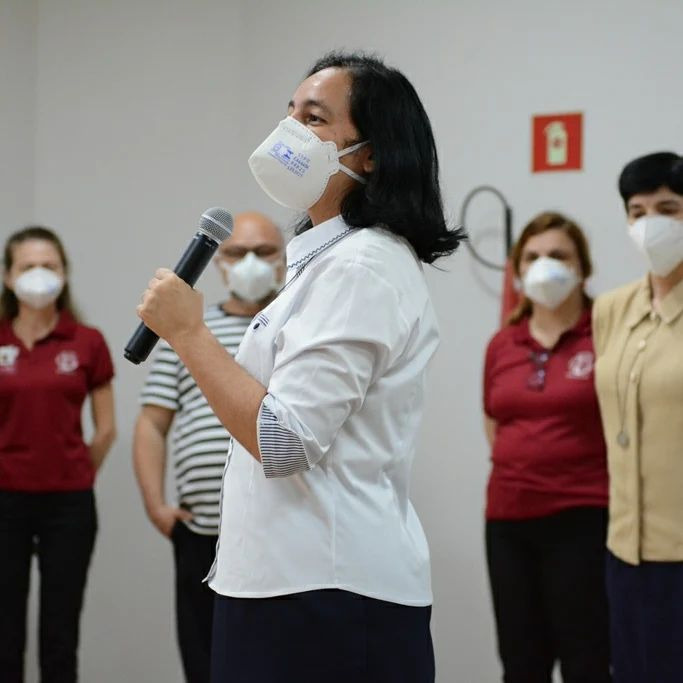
(17, 106)
(18, 19)
(145, 115)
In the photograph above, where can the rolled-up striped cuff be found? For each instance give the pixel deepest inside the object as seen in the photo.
(282, 451)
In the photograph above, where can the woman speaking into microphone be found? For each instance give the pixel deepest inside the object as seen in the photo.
(322, 568)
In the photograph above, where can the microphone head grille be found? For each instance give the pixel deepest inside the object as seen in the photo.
(216, 223)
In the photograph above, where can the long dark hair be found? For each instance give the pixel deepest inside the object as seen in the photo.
(550, 220)
(402, 193)
(9, 305)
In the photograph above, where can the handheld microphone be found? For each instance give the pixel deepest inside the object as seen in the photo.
(214, 227)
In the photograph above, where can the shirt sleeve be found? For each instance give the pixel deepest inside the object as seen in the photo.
(346, 331)
(161, 385)
(282, 450)
(101, 369)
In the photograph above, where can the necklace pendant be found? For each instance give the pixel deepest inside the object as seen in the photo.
(622, 439)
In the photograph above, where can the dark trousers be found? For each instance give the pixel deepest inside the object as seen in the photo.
(322, 636)
(548, 587)
(60, 528)
(193, 555)
(646, 620)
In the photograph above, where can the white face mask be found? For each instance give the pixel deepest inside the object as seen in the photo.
(38, 287)
(549, 282)
(252, 278)
(660, 240)
(293, 165)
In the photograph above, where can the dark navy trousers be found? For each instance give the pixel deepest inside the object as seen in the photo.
(646, 621)
(322, 636)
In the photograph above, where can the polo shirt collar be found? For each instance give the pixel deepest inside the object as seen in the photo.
(64, 329)
(305, 245)
(522, 335)
(671, 306)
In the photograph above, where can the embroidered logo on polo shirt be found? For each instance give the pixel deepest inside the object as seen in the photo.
(66, 362)
(8, 357)
(581, 365)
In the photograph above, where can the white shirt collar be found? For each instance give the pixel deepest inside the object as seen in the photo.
(313, 239)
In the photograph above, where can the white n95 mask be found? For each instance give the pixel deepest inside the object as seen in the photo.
(549, 282)
(293, 165)
(38, 287)
(660, 240)
(252, 278)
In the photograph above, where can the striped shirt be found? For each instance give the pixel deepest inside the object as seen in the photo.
(199, 440)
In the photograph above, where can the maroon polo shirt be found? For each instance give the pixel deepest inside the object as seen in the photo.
(549, 452)
(41, 398)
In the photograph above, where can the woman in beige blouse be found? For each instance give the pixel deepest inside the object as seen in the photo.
(638, 336)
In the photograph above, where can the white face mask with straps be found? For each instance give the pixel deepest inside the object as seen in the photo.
(660, 239)
(38, 287)
(293, 165)
(549, 282)
(252, 278)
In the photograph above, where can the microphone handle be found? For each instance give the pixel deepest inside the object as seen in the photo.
(189, 268)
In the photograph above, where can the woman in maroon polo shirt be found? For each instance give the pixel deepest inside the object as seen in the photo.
(49, 364)
(546, 514)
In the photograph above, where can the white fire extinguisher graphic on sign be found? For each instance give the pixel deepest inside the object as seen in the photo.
(556, 143)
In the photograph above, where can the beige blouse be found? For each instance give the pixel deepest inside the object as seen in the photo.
(639, 380)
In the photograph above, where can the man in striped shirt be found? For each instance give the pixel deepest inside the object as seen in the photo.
(252, 266)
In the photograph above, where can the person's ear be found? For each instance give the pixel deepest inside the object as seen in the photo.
(221, 270)
(368, 163)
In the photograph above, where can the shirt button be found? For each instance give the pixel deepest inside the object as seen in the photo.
(634, 376)
(642, 344)
(654, 315)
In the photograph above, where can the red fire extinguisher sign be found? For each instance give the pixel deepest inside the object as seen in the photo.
(557, 142)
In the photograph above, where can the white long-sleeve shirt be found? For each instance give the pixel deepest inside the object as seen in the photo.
(343, 352)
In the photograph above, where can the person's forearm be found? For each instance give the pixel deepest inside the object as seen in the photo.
(233, 394)
(149, 461)
(100, 445)
(102, 407)
(490, 430)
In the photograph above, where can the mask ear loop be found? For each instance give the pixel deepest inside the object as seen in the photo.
(346, 169)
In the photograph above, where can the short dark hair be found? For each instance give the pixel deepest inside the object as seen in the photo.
(9, 306)
(651, 172)
(402, 193)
